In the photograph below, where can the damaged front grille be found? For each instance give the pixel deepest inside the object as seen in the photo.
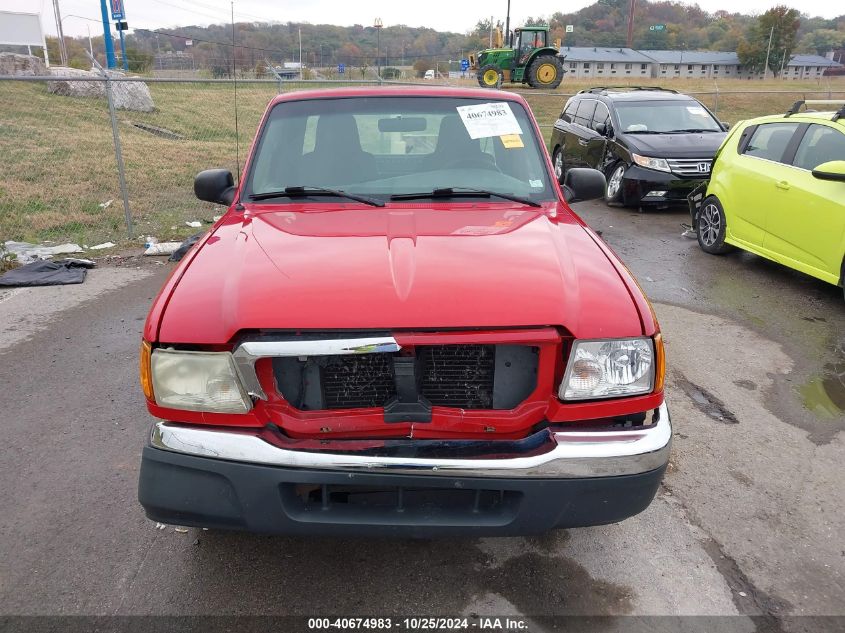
(458, 376)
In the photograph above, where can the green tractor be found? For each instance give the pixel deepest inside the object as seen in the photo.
(529, 60)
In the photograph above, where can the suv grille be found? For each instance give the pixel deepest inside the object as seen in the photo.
(695, 167)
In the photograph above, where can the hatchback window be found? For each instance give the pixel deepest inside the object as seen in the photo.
(384, 146)
(771, 140)
(821, 144)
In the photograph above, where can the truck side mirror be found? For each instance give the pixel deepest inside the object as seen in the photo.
(215, 185)
(582, 183)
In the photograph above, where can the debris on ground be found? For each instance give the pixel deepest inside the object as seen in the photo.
(160, 526)
(99, 247)
(689, 232)
(47, 273)
(194, 225)
(26, 252)
(162, 248)
(216, 218)
(180, 252)
(106, 204)
(180, 530)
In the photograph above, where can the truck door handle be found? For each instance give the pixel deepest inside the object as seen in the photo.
(782, 185)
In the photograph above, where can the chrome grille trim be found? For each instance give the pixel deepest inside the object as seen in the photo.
(690, 166)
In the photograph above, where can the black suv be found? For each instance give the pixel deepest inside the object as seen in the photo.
(654, 145)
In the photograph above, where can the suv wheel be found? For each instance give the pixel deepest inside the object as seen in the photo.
(557, 162)
(711, 227)
(613, 193)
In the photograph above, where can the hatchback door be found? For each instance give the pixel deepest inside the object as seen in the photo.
(805, 229)
(756, 182)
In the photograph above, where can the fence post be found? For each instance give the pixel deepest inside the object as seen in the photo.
(716, 105)
(118, 153)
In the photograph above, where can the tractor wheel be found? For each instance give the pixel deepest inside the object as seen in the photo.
(545, 71)
(490, 76)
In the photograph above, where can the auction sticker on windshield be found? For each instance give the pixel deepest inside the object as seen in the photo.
(489, 119)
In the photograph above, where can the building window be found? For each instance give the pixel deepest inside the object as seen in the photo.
(612, 66)
(716, 67)
(643, 66)
(600, 65)
(628, 66)
(689, 67)
(677, 67)
(573, 65)
(586, 65)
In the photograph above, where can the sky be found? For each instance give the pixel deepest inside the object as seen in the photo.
(443, 15)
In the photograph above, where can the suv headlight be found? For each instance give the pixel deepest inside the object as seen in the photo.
(198, 381)
(609, 368)
(660, 164)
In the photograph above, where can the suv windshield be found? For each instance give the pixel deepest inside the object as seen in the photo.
(638, 117)
(386, 146)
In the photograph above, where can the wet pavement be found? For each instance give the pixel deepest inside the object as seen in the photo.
(748, 521)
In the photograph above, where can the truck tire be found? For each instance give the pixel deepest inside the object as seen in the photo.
(490, 76)
(545, 71)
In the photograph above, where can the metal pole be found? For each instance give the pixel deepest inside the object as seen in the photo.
(631, 24)
(107, 35)
(123, 51)
(768, 50)
(60, 33)
(508, 25)
(118, 152)
(378, 50)
(300, 54)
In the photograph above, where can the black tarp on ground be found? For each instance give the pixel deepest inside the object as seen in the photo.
(47, 273)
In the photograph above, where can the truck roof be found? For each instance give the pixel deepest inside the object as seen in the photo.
(399, 91)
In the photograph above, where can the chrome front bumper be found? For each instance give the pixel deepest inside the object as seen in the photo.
(563, 455)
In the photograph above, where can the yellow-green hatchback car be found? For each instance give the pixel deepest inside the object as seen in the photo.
(778, 190)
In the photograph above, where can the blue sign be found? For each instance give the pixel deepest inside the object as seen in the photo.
(117, 12)
(464, 65)
(341, 68)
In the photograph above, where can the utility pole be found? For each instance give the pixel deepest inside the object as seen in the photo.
(378, 24)
(300, 54)
(60, 33)
(107, 41)
(631, 24)
(491, 32)
(768, 50)
(508, 25)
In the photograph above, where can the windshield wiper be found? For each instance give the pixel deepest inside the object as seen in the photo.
(642, 132)
(307, 190)
(692, 130)
(457, 192)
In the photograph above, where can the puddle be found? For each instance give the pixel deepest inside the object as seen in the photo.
(824, 394)
(705, 401)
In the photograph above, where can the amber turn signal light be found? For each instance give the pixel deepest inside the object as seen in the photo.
(146, 372)
(659, 363)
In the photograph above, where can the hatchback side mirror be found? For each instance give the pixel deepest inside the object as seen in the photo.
(831, 170)
(582, 183)
(215, 185)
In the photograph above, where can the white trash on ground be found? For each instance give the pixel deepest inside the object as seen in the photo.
(194, 225)
(162, 248)
(99, 247)
(26, 252)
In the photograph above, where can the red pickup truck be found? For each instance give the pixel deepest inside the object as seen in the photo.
(400, 327)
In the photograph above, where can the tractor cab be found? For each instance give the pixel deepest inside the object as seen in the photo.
(529, 58)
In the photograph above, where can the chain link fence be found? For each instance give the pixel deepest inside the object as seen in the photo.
(60, 155)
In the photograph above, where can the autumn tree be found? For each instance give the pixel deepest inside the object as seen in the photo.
(779, 23)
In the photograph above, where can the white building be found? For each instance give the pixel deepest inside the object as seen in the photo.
(695, 65)
(602, 63)
(808, 67)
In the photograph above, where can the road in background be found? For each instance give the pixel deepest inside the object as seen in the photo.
(748, 521)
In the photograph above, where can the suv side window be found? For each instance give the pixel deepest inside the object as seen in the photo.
(819, 145)
(770, 141)
(568, 113)
(584, 115)
(601, 115)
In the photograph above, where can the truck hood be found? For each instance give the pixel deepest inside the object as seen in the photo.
(701, 145)
(414, 266)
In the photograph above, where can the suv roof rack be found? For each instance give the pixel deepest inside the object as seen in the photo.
(600, 89)
(818, 102)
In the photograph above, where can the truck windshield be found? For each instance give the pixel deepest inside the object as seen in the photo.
(387, 146)
(665, 117)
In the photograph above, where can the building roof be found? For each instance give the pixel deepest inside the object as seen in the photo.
(693, 57)
(599, 54)
(812, 60)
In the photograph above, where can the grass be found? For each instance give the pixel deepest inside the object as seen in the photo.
(59, 169)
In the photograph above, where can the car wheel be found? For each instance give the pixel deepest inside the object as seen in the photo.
(557, 162)
(614, 194)
(711, 227)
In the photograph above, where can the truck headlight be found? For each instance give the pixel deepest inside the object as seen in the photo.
(660, 164)
(198, 381)
(609, 368)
